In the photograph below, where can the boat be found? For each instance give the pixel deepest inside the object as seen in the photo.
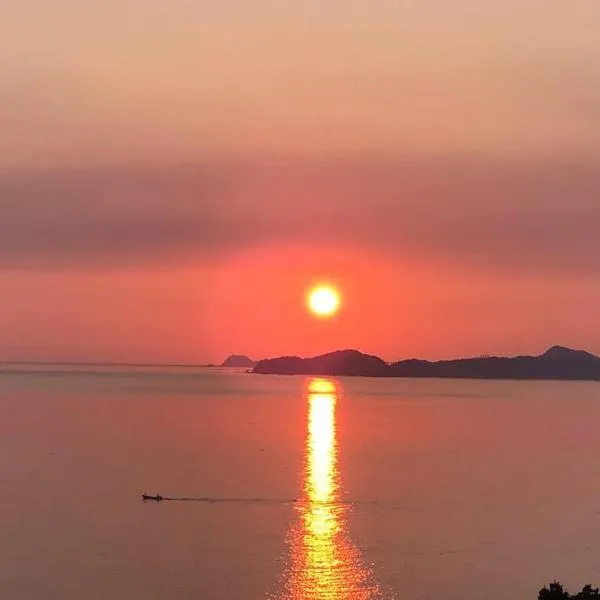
(155, 497)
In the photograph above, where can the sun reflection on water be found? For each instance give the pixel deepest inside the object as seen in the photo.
(324, 564)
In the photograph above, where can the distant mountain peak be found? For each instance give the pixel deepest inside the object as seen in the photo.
(238, 360)
(555, 352)
(338, 362)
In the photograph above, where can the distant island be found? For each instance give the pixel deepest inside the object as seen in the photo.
(558, 362)
(239, 360)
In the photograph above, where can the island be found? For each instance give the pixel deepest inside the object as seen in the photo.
(239, 361)
(558, 363)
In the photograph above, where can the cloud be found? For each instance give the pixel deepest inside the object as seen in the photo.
(528, 217)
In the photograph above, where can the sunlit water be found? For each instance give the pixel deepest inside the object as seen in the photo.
(324, 562)
(298, 488)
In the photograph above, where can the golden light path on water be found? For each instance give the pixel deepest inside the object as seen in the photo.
(324, 564)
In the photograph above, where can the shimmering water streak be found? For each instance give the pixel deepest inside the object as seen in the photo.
(322, 476)
(324, 563)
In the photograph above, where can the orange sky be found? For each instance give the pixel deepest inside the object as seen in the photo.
(253, 303)
(174, 175)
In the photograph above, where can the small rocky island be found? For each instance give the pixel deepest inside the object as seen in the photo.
(239, 361)
(558, 363)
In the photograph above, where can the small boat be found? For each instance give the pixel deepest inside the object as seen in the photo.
(155, 497)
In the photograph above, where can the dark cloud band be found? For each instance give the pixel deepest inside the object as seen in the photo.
(506, 216)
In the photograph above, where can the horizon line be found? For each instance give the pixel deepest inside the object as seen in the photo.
(59, 363)
(220, 365)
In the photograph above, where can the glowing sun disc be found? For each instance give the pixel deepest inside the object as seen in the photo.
(324, 301)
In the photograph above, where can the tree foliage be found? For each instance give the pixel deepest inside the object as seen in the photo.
(556, 591)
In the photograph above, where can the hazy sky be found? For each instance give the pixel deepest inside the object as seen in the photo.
(173, 175)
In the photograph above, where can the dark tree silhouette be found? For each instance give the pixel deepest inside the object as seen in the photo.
(555, 591)
(587, 592)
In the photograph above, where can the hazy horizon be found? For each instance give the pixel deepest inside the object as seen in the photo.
(218, 362)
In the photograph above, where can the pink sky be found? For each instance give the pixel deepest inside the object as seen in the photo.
(174, 175)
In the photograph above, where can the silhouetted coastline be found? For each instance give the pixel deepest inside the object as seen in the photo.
(557, 363)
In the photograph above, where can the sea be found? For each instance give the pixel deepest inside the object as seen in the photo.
(290, 488)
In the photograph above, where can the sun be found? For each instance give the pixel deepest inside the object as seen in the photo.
(323, 300)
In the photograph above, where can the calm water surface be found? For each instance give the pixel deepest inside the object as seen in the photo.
(297, 488)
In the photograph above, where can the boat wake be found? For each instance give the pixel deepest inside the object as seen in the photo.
(211, 500)
(217, 500)
(261, 501)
